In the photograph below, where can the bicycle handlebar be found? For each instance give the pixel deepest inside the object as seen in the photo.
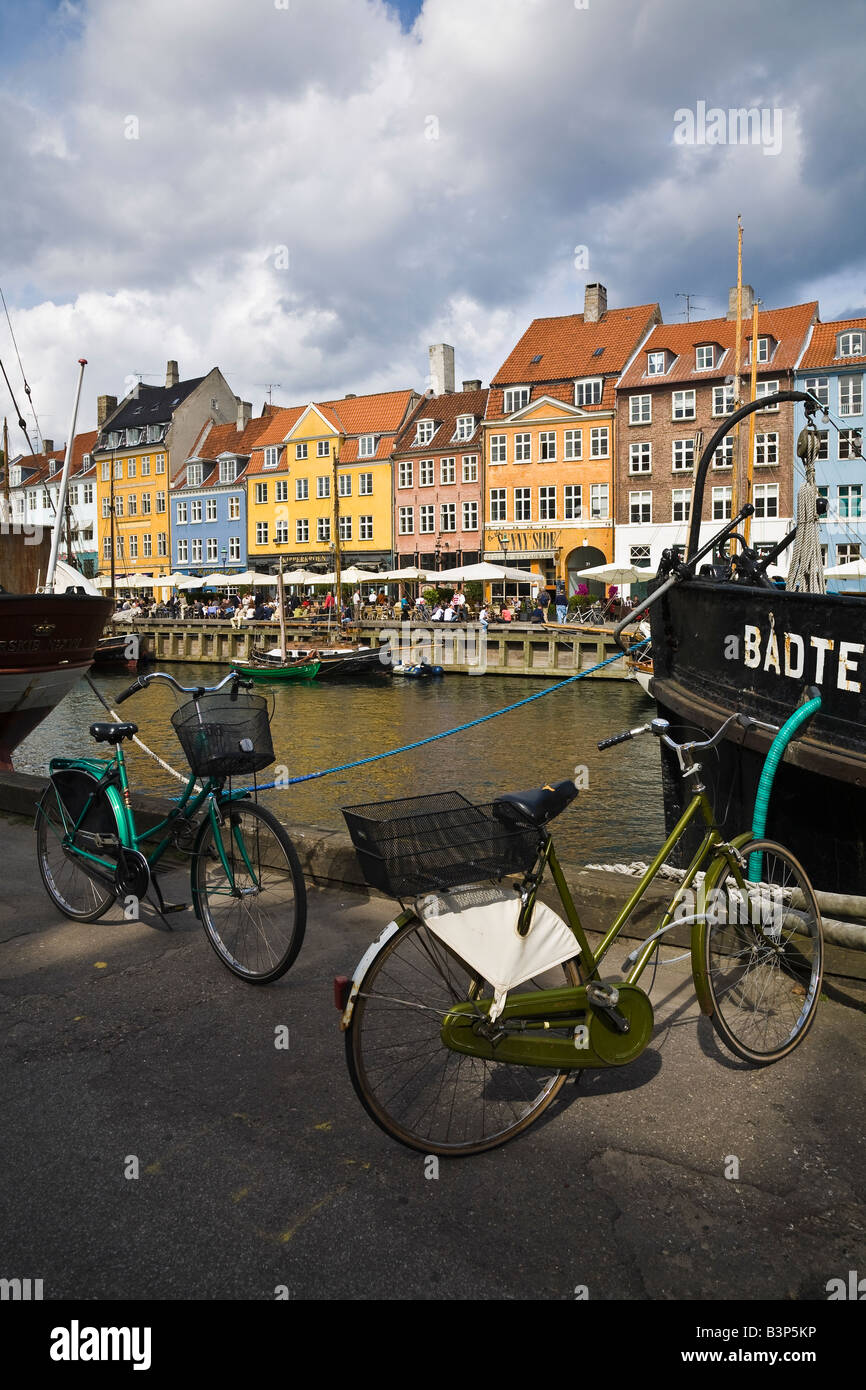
(196, 691)
(660, 727)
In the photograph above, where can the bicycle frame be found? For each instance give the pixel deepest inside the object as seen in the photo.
(113, 782)
(595, 1041)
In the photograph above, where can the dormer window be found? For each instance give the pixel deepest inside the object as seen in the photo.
(850, 345)
(424, 431)
(114, 439)
(515, 398)
(155, 433)
(766, 348)
(656, 363)
(133, 436)
(228, 470)
(588, 390)
(272, 455)
(194, 474)
(366, 446)
(465, 427)
(52, 467)
(14, 477)
(705, 357)
(86, 463)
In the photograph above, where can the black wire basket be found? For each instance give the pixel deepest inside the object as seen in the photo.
(422, 843)
(222, 737)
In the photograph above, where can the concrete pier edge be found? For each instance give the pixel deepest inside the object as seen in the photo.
(328, 860)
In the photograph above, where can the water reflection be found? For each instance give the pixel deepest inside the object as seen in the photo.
(620, 816)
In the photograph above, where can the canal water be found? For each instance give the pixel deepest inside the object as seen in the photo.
(619, 816)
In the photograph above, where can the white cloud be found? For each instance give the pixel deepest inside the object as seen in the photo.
(308, 128)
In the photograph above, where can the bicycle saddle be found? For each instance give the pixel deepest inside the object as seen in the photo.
(112, 733)
(538, 806)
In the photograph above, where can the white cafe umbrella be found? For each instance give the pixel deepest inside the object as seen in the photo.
(617, 574)
(410, 573)
(299, 577)
(355, 575)
(486, 573)
(168, 581)
(851, 569)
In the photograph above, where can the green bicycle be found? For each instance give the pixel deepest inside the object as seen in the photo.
(246, 882)
(464, 1019)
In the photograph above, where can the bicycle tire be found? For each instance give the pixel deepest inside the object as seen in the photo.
(256, 945)
(77, 893)
(443, 1092)
(764, 959)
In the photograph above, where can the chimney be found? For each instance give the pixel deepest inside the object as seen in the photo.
(245, 414)
(594, 303)
(105, 406)
(474, 385)
(172, 376)
(350, 396)
(748, 301)
(442, 369)
(48, 446)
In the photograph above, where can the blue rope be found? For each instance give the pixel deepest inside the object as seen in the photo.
(461, 728)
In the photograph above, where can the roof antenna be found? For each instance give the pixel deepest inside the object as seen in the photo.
(681, 294)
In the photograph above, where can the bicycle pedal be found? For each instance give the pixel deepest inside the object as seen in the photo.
(174, 907)
(604, 999)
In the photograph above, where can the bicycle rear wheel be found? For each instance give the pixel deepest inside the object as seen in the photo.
(764, 954)
(77, 892)
(255, 915)
(417, 1090)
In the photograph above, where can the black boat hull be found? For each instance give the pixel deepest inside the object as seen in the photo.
(720, 648)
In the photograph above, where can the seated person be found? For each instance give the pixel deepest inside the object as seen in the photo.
(537, 615)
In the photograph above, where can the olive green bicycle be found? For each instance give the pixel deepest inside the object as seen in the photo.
(465, 1018)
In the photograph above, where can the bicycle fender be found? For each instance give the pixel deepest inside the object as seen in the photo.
(364, 963)
(699, 927)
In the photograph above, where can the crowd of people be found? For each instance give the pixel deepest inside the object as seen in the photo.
(541, 606)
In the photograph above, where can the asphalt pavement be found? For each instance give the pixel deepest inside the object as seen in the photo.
(129, 1049)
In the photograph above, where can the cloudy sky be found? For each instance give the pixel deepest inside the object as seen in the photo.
(307, 193)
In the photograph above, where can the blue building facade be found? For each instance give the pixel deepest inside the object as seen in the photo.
(209, 499)
(833, 368)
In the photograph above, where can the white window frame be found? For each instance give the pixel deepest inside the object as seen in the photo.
(588, 390)
(302, 530)
(406, 521)
(498, 448)
(447, 472)
(515, 398)
(638, 504)
(469, 468)
(498, 505)
(599, 442)
(682, 450)
(523, 504)
(572, 502)
(470, 516)
(706, 362)
(599, 501)
(681, 497)
(427, 519)
(683, 405)
(640, 457)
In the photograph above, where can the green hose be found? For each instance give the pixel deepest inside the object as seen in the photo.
(765, 786)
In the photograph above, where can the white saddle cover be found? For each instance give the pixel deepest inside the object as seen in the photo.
(480, 925)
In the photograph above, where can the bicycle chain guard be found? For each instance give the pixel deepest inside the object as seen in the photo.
(132, 875)
(553, 1028)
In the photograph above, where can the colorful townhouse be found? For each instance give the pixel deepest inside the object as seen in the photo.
(141, 444)
(34, 488)
(672, 396)
(208, 497)
(549, 439)
(832, 369)
(320, 461)
(437, 474)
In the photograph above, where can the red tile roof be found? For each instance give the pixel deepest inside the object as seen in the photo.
(444, 410)
(568, 348)
(821, 351)
(789, 326)
(381, 414)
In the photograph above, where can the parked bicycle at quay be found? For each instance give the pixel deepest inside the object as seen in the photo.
(465, 1018)
(246, 882)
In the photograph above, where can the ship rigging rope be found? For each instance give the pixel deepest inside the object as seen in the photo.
(391, 752)
(28, 393)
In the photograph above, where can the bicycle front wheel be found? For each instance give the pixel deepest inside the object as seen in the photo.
(254, 914)
(76, 890)
(764, 954)
(416, 1089)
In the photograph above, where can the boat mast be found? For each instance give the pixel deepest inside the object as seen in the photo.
(64, 484)
(6, 471)
(747, 527)
(338, 582)
(281, 600)
(111, 513)
(738, 359)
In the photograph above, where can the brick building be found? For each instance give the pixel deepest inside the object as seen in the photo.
(437, 473)
(672, 397)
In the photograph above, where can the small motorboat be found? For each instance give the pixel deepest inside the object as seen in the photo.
(421, 671)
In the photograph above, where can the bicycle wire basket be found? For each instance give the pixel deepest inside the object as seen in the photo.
(222, 737)
(418, 844)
